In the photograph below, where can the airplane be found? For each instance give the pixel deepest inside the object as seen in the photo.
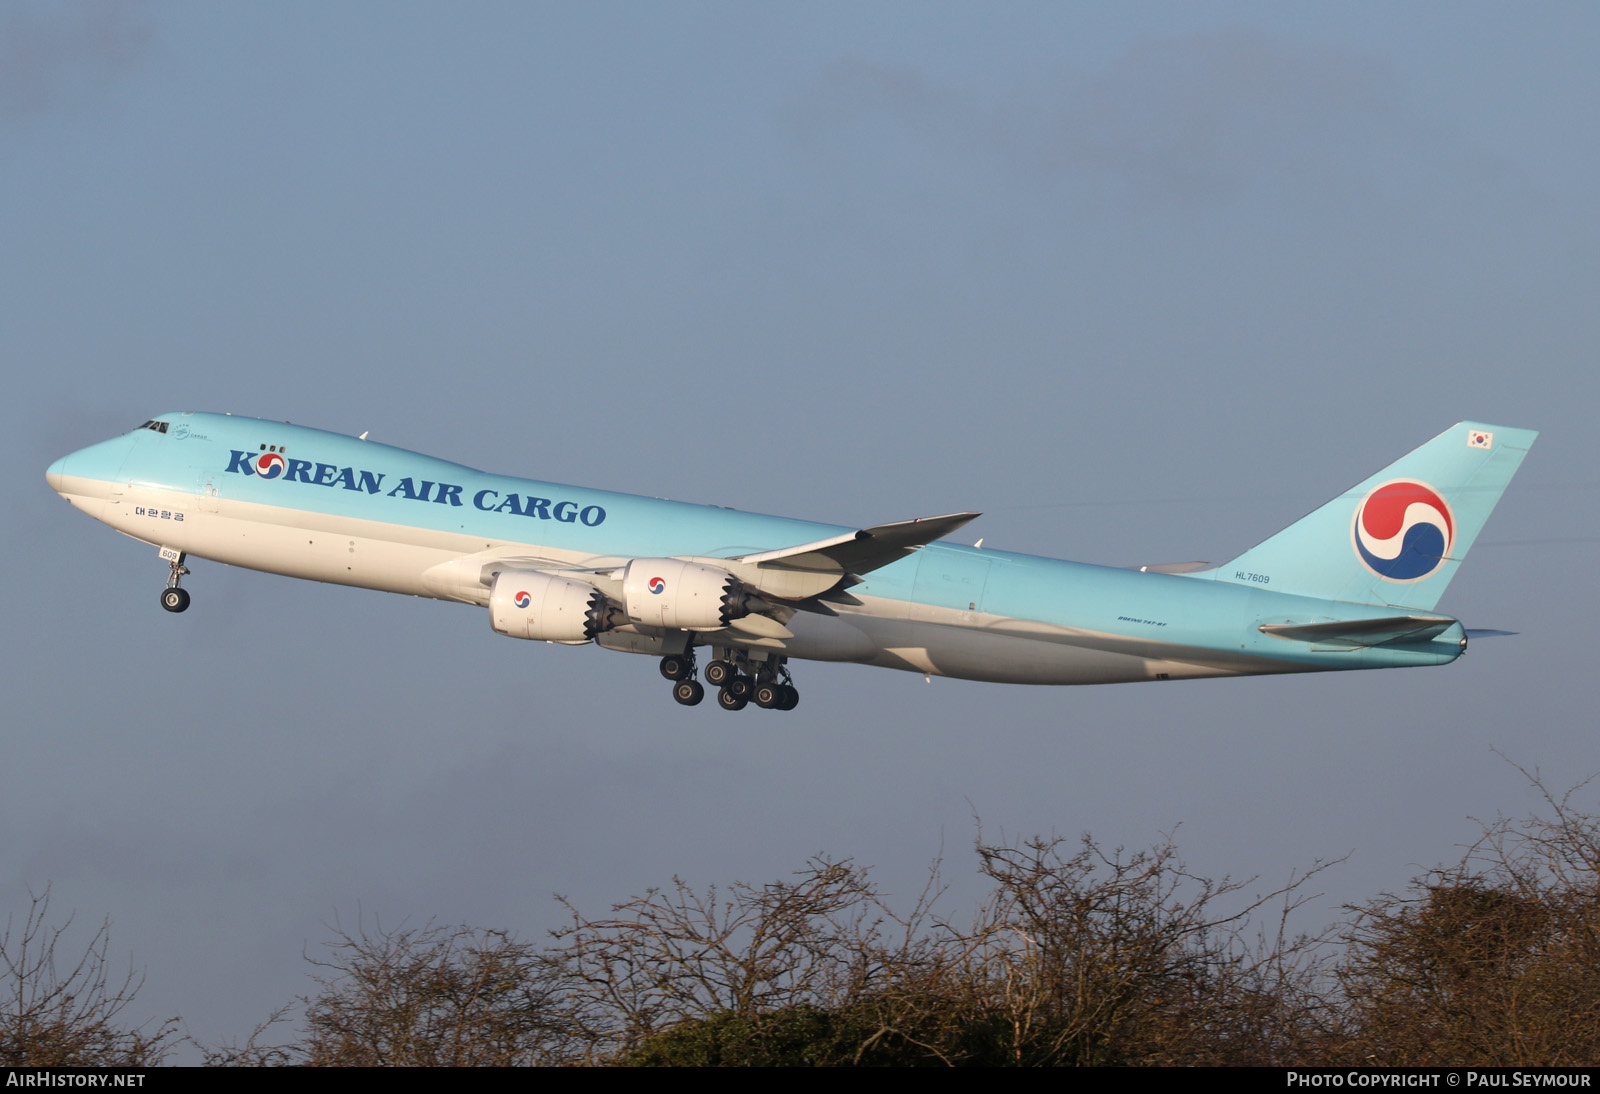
(1352, 585)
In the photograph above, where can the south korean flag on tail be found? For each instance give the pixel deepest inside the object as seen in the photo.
(1478, 438)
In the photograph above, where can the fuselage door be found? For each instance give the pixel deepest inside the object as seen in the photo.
(207, 491)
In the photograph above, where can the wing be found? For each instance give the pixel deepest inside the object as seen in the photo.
(861, 551)
(787, 574)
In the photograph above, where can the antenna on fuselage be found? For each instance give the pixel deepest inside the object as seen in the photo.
(363, 435)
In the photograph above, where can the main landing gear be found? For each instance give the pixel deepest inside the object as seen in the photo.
(175, 598)
(679, 668)
(737, 679)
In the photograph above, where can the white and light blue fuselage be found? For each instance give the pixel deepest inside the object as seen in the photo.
(1340, 589)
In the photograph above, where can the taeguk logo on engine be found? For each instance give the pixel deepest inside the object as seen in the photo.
(523, 600)
(657, 586)
(1403, 531)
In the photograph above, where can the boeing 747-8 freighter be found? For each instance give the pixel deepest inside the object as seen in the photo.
(1353, 585)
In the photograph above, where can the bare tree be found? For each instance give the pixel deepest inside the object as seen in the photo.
(254, 1051)
(1084, 955)
(62, 1005)
(679, 955)
(1079, 957)
(1495, 960)
(433, 996)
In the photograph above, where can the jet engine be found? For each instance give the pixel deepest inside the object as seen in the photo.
(679, 595)
(545, 608)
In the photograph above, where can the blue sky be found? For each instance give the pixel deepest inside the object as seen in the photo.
(1142, 283)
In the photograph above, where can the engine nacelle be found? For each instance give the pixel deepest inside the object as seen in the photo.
(529, 604)
(678, 595)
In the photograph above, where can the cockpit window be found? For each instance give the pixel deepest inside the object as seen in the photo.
(159, 427)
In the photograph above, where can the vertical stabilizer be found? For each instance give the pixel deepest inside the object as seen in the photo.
(1398, 537)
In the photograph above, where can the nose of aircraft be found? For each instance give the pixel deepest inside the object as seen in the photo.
(56, 473)
(98, 463)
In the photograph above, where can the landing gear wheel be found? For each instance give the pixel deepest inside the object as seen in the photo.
(173, 598)
(790, 698)
(688, 692)
(675, 666)
(728, 700)
(741, 686)
(718, 673)
(768, 696)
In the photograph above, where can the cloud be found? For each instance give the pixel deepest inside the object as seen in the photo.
(1206, 113)
(1204, 116)
(56, 54)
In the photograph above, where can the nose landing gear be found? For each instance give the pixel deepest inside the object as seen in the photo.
(174, 598)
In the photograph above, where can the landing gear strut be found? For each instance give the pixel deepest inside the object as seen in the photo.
(739, 680)
(777, 696)
(175, 598)
(679, 668)
(770, 692)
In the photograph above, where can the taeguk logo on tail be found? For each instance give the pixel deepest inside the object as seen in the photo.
(1403, 531)
(270, 466)
(657, 586)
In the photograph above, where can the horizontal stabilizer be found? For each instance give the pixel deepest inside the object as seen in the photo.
(1360, 633)
(859, 552)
